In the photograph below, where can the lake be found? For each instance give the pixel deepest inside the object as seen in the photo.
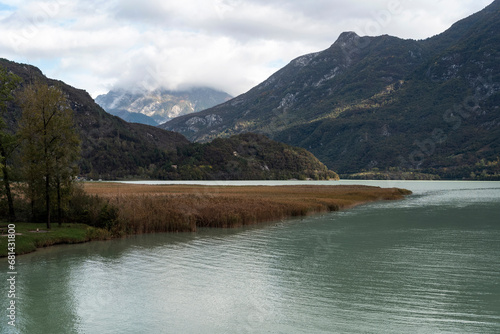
(426, 264)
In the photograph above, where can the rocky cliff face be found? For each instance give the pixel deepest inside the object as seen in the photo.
(313, 86)
(159, 106)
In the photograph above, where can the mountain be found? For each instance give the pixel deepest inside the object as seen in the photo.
(380, 103)
(159, 106)
(113, 148)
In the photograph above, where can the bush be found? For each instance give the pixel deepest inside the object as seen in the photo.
(92, 210)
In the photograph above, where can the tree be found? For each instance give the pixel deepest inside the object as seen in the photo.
(50, 145)
(8, 82)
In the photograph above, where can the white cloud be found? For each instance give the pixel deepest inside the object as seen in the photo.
(231, 45)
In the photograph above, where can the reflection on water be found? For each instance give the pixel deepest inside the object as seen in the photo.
(427, 264)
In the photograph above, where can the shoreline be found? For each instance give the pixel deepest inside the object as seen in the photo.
(144, 209)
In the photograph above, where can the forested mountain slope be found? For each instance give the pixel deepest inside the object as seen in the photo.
(113, 148)
(381, 103)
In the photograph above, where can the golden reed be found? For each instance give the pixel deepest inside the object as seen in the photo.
(178, 208)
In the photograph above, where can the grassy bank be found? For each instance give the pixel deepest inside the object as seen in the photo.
(126, 209)
(28, 239)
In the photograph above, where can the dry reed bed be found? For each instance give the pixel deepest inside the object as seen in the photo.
(175, 208)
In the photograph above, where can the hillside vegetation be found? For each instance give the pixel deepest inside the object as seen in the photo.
(114, 149)
(381, 104)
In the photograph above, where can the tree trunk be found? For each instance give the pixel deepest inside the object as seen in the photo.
(6, 182)
(47, 199)
(8, 192)
(59, 214)
(32, 202)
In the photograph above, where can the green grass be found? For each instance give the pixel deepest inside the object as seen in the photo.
(29, 241)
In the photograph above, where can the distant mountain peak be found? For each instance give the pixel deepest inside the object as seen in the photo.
(347, 38)
(160, 105)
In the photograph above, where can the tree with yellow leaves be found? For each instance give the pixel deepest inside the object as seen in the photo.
(50, 146)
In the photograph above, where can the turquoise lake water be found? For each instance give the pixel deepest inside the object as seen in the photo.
(426, 264)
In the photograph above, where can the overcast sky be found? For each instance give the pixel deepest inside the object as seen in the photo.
(231, 45)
